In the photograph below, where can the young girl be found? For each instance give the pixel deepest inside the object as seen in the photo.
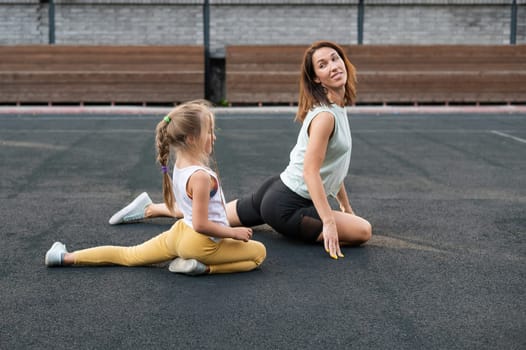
(202, 242)
(295, 203)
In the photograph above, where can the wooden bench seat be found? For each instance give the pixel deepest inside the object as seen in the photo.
(387, 73)
(101, 74)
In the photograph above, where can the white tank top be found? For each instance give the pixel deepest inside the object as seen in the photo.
(216, 206)
(337, 157)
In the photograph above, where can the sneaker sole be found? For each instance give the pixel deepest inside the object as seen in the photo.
(181, 266)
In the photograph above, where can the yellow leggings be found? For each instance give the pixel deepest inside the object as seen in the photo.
(227, 255)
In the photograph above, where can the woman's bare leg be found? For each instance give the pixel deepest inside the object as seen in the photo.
(231, 213)
(156, 210)
(143, 208)
(352, 229)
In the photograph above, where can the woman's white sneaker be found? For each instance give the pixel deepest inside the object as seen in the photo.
(133, 211)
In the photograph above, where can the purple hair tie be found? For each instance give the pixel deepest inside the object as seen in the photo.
(164, 168)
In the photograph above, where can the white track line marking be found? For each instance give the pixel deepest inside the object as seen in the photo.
(4, 143)
(508, 136)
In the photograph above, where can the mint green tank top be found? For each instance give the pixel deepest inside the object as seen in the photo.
(335, 167)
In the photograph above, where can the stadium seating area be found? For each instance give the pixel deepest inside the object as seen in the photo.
(101, 74)
(387, 74)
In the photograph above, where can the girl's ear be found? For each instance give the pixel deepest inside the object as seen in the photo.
(190, 139)
(317, 80)
(194, 141)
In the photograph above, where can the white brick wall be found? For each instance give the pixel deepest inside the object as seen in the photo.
(521, 23)
(114, 24)
(23, 23)
(180, 22)
(437, 24)
(281, 24)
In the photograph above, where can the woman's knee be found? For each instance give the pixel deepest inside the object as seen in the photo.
(366, 231)
(354, 229)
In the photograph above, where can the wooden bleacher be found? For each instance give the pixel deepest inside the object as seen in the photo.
(101, 74)
(387, 73)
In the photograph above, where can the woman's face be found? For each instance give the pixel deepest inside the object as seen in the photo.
(329, 68)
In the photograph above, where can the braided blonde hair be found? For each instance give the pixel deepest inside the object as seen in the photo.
(190, 119)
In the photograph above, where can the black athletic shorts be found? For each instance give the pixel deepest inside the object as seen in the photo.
(288, 213)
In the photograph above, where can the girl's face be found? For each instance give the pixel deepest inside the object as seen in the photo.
(329, 68)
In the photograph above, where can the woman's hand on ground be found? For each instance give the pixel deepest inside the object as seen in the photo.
(331, 242)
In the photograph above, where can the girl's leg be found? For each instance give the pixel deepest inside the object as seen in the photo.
(236, 256)
(226, 256)
(158, 249)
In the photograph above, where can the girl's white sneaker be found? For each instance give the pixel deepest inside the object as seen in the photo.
(55, 255)
(187, 266)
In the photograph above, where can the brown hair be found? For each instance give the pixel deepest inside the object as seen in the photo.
(188, 119)
(311, 93)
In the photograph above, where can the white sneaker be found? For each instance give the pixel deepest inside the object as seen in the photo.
(187, 266)
(55, 255)
(133, 211)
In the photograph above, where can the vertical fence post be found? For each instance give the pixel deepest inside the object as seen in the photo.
(51, 20)
(513, 23)
(206, 41)
(360, 21)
